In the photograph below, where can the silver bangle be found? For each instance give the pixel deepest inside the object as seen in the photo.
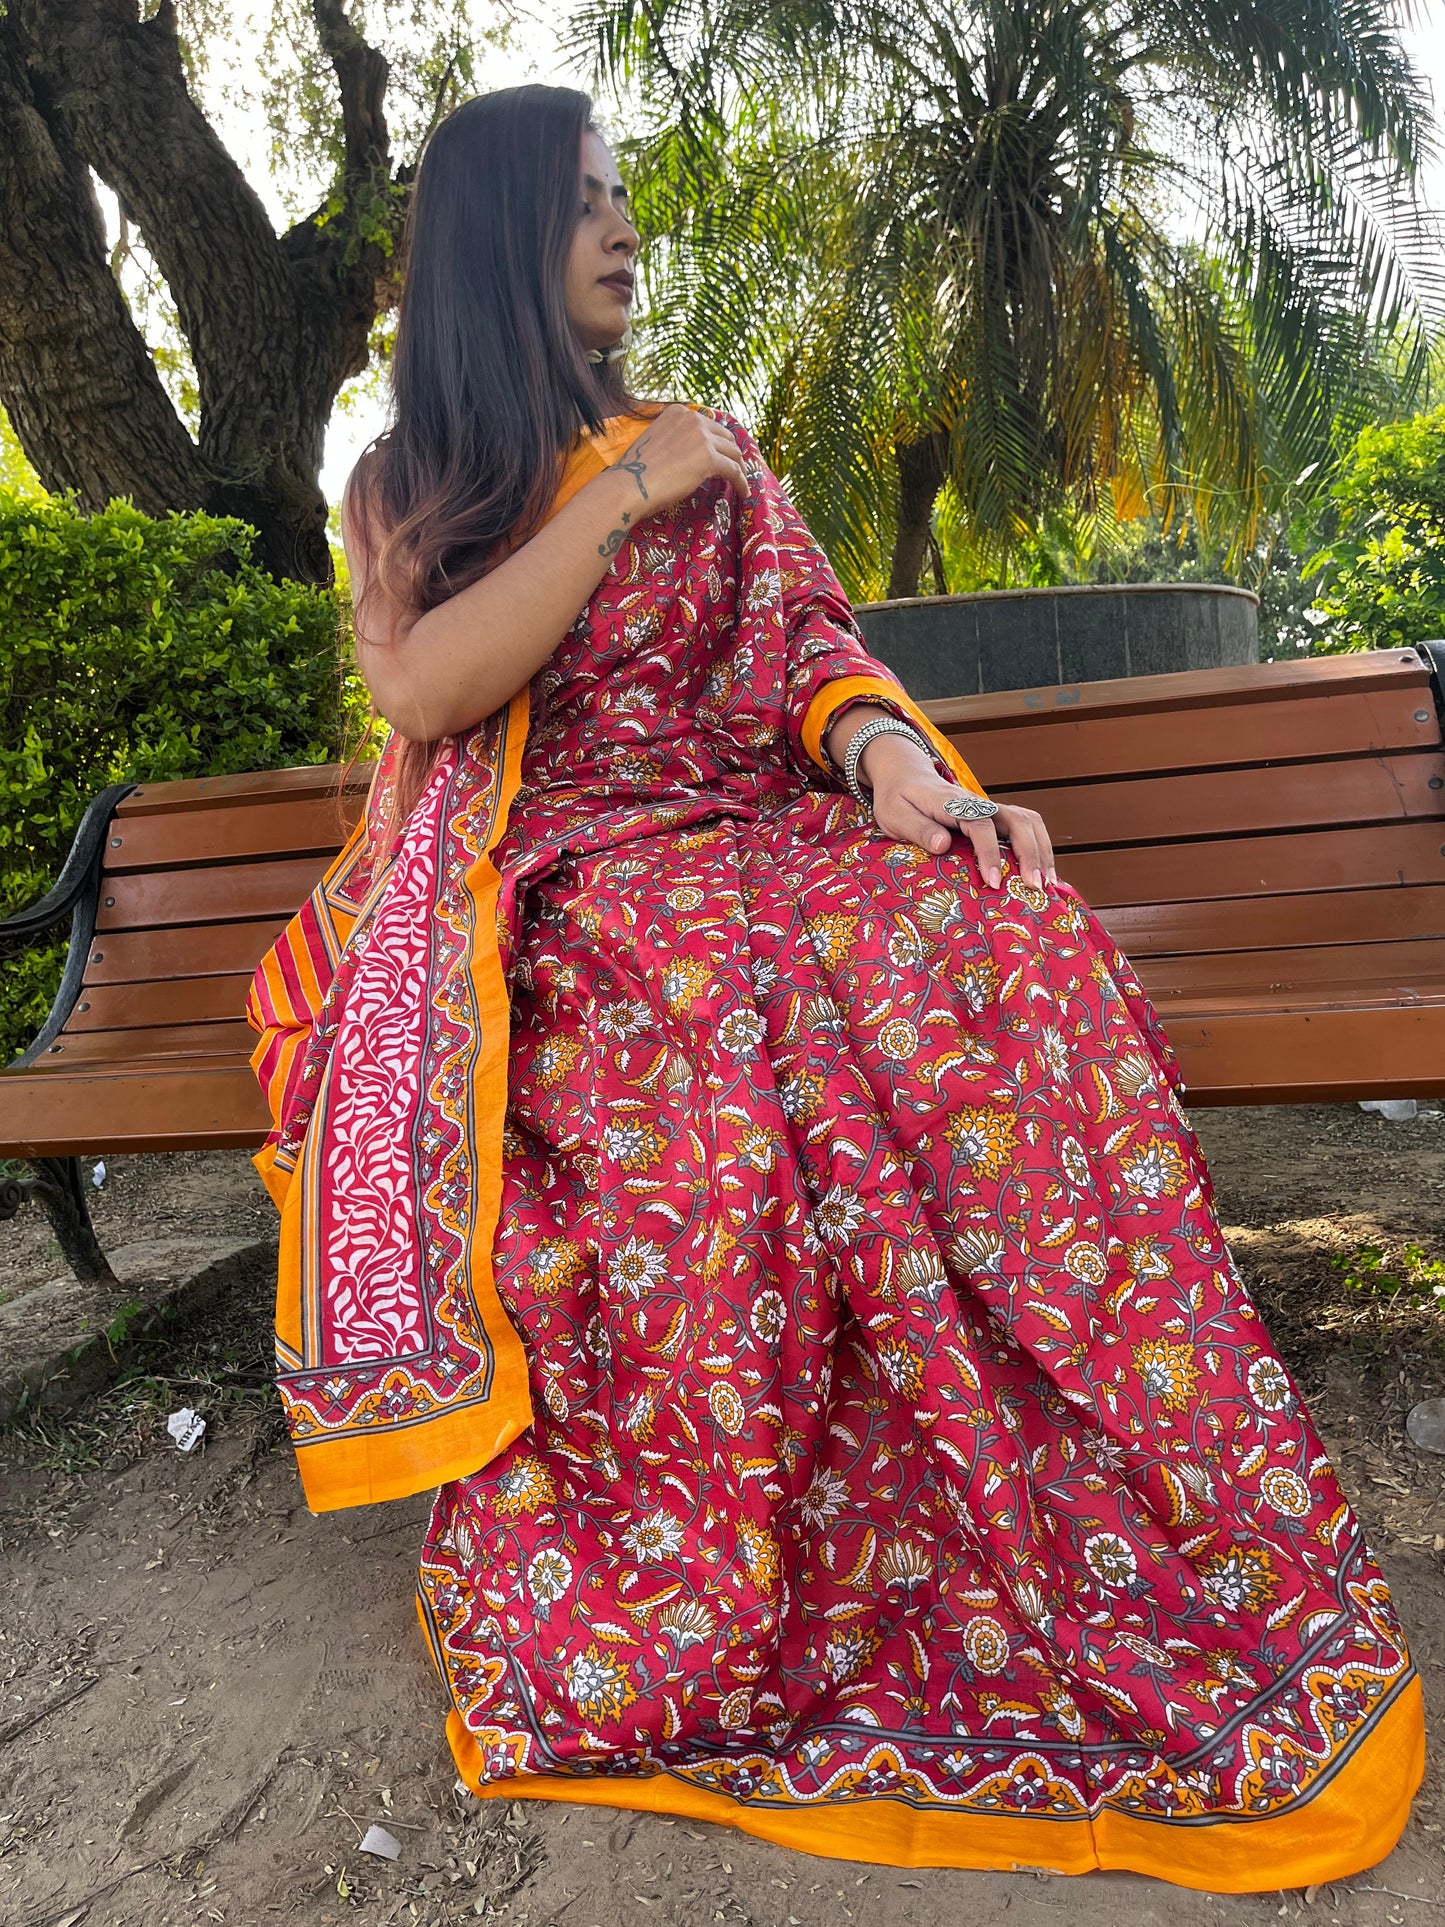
(877, 726)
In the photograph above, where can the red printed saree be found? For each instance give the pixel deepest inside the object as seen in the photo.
(792, 1265)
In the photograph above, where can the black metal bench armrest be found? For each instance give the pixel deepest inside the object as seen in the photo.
(74, 893)
(79, 873)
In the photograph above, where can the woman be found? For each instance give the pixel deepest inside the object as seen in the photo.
(757, 1201)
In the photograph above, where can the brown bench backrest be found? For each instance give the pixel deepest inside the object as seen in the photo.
(199, 878)
(1265, 807)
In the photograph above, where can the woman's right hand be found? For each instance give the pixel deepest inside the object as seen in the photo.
(673, 456)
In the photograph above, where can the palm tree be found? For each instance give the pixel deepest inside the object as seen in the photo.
(992, 260)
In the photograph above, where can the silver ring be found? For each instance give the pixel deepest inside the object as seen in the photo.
(969, 808)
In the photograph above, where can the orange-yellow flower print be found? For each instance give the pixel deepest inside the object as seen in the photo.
(899, 1039)
(1242, 1580)
(759, 1551)
(553, 1061)
(727, 1407)
(984, 1138)
(986, 1644)
(526, 1486)
(555, 1263)
(1155, 1171)
(1168, 1373)
(684, 980)
(633, 1142)
(832, 938)
(599, 1684)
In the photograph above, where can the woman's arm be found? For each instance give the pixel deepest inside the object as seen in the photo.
(436, 673)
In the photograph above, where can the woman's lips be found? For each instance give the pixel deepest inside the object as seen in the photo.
(618, 285)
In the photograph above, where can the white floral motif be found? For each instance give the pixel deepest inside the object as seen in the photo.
(658, 1536)
(636, 1267)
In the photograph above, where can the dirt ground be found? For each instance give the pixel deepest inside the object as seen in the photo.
(207, 1695)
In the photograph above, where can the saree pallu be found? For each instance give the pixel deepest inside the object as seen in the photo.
(791, 1262)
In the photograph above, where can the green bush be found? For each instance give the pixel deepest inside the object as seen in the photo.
(1384, 575)
(143, 649)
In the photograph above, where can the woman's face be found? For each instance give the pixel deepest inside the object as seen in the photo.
(599, 267)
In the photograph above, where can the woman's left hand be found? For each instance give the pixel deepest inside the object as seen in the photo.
(908, 799)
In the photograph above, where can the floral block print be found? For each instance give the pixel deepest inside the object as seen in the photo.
(901, 1471)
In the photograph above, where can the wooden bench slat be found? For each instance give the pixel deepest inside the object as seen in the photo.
(1247, 684)
(139, 1006)
(1344, 723)
(1415, 968)
(1321, 1057)
(1323, 859)
(299, 783)
(1305, 997)
(192, 837)
(159, 1041)
(207, 950)
(220, 893)
(1387, 915)
(185, 1106)
(1238, 802)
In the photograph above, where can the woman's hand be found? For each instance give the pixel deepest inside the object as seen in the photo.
(908, 799)
(675, 456)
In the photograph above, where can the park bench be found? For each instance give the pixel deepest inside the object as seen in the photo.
(1266, 843)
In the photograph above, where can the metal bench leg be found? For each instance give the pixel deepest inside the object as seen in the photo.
(58, 1188)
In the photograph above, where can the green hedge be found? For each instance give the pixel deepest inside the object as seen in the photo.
(141, 649)
(1384, 577)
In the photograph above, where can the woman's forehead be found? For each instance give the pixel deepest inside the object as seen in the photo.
(597, 159)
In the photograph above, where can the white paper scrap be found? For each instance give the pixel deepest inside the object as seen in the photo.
(378, 1841)
(97, 1176)
(185, 1427)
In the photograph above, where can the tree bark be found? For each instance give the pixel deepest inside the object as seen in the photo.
(922, 466)
(275, 323)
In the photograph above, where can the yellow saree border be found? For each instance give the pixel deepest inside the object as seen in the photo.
(452, 1442)
(844, 689)
(1351, 1822)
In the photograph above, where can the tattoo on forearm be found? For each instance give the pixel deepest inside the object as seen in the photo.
(636, 467)
(634, 464)
(617, 536)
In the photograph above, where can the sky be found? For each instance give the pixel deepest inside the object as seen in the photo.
(534, 56)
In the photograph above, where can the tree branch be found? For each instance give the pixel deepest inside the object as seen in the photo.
(76, 377)
(361, 74)
(119, 85)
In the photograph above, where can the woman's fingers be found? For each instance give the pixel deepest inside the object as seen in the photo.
(984, 838)
(919, 814)
(981, 832)
(925, 823)
(903, 817)
(1031, 846)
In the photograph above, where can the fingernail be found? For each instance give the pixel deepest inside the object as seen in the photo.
(995, 878)
(940, 843)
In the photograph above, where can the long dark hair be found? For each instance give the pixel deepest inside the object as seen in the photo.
(491, 388)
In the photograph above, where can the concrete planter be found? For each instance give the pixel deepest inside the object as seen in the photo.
(962, 645)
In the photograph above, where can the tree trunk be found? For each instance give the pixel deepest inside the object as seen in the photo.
(275, 323)
(921, 469)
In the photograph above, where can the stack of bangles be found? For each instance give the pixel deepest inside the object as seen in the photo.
(966, 807)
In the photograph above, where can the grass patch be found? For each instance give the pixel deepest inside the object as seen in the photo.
(1413, 1281)
(218, 1358)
